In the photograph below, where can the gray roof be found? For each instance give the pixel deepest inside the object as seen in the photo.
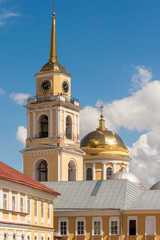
(107, 194)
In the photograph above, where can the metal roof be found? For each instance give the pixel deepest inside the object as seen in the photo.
(87, 195)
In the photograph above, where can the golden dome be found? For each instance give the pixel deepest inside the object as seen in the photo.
(106, 139)
(103, 139)
(55, 67)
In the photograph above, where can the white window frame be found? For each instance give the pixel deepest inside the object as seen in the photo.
(6, 200)
(42, 208)
(97, 219)
(36, 208)
(149, 218)
(42, 236)
(21, 206)
(29, 235)
(36, 235)
(59, 225)
(111, 219)
(14, 196)
(132, 218)
(49, 236)
(29, 201)
(48, 210)
(80, 219)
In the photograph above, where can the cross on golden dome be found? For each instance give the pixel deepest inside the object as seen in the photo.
(102, 116)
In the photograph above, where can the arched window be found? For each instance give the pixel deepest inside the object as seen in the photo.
(42, 171)
(43, 126)
(109, 172)
(89, 174)
(68, 127)
(72, 171)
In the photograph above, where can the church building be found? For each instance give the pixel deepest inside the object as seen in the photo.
(100, 198)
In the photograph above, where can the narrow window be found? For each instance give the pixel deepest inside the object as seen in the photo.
(29, 206)
(43, 171)
(22, 237)
(114, 227)
(89, 174)
(68, 127)
(80, 227)
(14, 236)
(21, 204)
(5, 236)
(71, 171)
(150, 226)
(43, 126)
(49, 210)
(13, 203)
(97, 227)
(35, 208)
(132, 227)
(109, 172)
(5, 202)
(42, 209)
(63, 228)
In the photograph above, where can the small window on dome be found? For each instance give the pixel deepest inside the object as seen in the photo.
(89, 173)
(109, 172)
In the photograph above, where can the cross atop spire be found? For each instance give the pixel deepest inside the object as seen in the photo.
(53, 47)
(102, 116)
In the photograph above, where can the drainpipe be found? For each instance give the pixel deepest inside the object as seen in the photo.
(121, 223)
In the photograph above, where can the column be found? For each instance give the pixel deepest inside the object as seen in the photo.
(28, 124)
(10, 203)
(51, 122)
(78, 125)
(94, 172)
(84, 171)
(34, 124)
(18, 217)
(75, 135)
(64, 122)
(104, 171)
(58, 121)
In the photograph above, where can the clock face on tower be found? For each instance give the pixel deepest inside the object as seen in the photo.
(45, 86)
(65, 87)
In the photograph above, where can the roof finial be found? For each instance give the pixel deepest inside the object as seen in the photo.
(53, 47)
(101, 121)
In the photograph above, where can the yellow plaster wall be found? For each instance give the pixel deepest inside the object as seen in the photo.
(56, 89)
(79, 162)
(52, 159)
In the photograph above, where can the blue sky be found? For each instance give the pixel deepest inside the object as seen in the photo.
(103, 44)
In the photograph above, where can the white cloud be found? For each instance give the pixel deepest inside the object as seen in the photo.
(141, 78)
(19, 98)
(140, 111)
(5, 15)
(2, 92)
(21, 134)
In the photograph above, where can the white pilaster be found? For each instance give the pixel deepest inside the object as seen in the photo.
(34, 124)
(51, 122)
(84, 171)
(18, 206)
(78, 124)
(104, 171)
(75, 126)
(58, 121)
(64, 122)
(28, 124)
(94, 172)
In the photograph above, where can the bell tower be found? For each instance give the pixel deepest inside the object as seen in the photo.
(52, 150)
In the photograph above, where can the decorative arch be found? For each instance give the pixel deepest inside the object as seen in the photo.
(89, 174)
(41, 170)
(72, 170)
(109, 172)
(68, 127)
(43, 126)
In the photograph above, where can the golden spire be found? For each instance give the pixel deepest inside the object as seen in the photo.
(102, 121)
(53, 47)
